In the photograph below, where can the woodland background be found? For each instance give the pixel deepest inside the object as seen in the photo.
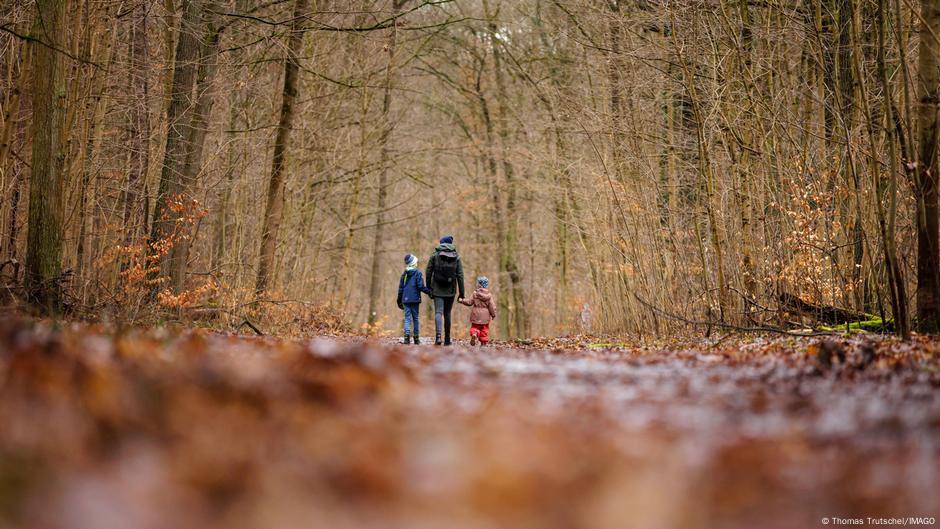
(648, 162)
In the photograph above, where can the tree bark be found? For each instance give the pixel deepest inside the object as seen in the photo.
(274, 210)
(205, 98)
(139, 130)
(234, 157)
(520, 321)
(165, 232)
(926, 183)
(499, 210)
(12, 134)
(375, 276)
(887, 226)
(44, 239)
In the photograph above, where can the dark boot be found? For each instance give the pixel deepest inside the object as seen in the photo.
(416, 339)
(407, 339)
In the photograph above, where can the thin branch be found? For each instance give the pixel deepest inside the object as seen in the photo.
(728, 325)
(29, 38)
(319, 26)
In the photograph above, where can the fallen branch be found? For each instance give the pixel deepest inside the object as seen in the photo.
(250, 326)
(728, 326)
(830, 314)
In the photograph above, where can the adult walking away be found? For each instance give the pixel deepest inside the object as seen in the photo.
(444, 274)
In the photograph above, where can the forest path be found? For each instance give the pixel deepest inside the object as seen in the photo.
(195, 429)
(752, 434)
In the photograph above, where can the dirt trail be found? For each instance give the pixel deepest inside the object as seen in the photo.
(159, 429)
(692, 439)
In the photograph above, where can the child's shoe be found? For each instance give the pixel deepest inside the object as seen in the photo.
(473, 340)
(407, 339)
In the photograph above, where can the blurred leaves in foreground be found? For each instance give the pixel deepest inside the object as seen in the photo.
(190, 429)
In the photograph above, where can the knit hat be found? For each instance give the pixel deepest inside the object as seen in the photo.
(411, 262)
(447, 239)
(483, 282)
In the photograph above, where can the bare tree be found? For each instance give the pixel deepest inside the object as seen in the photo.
(46, 184)
(927, 186)
(274, 211)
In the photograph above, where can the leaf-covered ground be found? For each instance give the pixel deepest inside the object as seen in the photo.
(187, 429)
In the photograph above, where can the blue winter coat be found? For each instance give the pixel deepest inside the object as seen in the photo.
(410, 287)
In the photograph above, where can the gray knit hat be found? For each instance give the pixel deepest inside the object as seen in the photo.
(483, 282)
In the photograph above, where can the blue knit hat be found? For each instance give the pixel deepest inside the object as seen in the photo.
(447, 239)
(411, 261)
(483, 282)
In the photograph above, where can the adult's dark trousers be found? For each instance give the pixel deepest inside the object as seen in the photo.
(442, 308)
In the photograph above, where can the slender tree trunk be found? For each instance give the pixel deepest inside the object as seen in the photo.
(744, 192)
(165, 231)
(11, 134)
(274, 210)
(352, 203)
(895, 281)
(17, 65)
(234, 156)
(510, 257)
(46, 185)
(375, 276)
(139, 130)
(708, 180)
(561, 179)
(205, 99)
(499, 209)
(926, 184)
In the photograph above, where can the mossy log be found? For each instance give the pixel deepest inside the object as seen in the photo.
(837, 318)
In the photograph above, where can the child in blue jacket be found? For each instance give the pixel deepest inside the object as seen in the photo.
(410, 287)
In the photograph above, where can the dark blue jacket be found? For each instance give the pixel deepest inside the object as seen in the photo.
(410, 287)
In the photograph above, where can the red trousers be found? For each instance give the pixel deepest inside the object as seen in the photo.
(481, 330)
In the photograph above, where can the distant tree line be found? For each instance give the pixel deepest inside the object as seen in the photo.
(655, 163)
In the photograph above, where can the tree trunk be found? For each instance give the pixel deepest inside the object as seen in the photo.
(44, 240)
(887, 226)
(11, 136)
(274, 211)
(510, 257)
(499, 210)
(139, 130)
(708, 180)
(234, 157)
(375, 276)
(926, 184)
(205, 98)
(165, 232)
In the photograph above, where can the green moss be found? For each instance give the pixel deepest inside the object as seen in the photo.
(874, 324)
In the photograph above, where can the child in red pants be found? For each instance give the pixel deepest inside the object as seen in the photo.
(482, 312)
